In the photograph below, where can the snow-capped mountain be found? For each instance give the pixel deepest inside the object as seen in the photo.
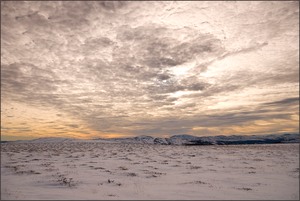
(181, 139)
(238, 139)
(144, 139)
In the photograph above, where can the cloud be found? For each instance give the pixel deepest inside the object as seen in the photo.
(18, 77)
(158, 47)
(151, 67)
(285, 102)
(73, 125)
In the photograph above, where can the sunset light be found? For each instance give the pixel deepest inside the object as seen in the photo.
(133, 68)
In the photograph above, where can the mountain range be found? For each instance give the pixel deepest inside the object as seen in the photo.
(183, 139)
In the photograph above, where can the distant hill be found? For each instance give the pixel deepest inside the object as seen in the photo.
(252, 139)
(183, 139)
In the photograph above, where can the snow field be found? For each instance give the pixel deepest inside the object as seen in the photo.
(91, 170)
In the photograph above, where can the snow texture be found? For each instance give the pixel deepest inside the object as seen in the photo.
(101, 171)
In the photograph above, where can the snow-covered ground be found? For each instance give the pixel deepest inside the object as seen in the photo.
(95, 170)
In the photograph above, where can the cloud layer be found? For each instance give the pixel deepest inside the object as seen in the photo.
(154, 68)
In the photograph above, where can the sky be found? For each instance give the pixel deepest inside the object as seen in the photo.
(91, 69)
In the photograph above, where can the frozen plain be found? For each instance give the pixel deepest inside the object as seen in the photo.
(94, 170)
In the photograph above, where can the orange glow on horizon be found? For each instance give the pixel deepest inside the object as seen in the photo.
(252, 128)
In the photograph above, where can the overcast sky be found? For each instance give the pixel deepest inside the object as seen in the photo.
(114, 69)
